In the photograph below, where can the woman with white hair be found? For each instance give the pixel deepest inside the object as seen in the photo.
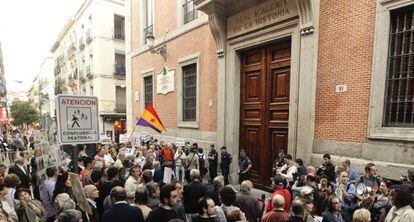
(71, 215)
(63, 202)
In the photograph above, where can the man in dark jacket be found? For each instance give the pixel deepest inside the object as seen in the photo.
(105, 187)
(247, 203)
(20, 169)
(121, 211)
(165, 212)
(192, 193)
(298, 211)
(327, 168)
(91, 193)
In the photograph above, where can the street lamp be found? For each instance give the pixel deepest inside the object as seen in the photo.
(161, 50)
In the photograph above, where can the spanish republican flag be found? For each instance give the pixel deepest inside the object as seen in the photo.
(149, 118)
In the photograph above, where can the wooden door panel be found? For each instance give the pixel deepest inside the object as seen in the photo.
(280, 80)
(253, 87)
(252, 57)
(278, 142)
(252, 144)
(264, 106)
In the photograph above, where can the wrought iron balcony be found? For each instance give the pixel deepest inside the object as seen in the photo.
(148, 31)
(88, 36)
(119, 70)
(81, 43)
(81, 75)
(60, 59)
(120, 108)
(88, 72)
(119, 34)
(57, 70)
(71, 50)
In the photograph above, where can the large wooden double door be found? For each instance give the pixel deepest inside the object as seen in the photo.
(264, 106)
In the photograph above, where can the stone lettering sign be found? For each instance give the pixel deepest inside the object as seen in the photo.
(267, 13)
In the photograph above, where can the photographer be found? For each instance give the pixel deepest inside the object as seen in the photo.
(327, 168)
(346, 192)
(381, 203)
(288, 170)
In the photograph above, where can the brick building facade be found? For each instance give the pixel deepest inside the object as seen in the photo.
(304, 77)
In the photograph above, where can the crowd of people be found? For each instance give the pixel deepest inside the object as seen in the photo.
(124, 183)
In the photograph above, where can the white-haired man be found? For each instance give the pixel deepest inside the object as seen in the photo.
(247, 203)
(91, 193)
(192, 193)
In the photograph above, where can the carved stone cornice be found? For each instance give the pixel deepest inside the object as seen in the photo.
(218, 26)
(217, 16)
(217, 11)
(305, 16)
(211, 6)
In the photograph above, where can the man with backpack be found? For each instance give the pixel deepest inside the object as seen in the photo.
(201, 162)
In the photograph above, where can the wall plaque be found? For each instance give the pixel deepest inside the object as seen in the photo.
(165, 82)
(267, 13)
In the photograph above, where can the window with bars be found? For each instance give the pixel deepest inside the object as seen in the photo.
(399, 99)
(190, 92)
(148, 90)
(190, 11)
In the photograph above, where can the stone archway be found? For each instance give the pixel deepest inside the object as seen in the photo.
(301, 144)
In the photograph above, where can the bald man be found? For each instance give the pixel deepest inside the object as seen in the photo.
(247, 203)
(92, 193)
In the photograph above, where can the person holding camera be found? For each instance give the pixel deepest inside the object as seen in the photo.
(382, 202)
(346, 192)
(289, 169)
(327, 168)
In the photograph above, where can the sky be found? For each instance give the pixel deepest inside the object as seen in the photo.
(28, 30)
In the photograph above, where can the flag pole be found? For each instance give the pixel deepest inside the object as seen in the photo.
(133, 130)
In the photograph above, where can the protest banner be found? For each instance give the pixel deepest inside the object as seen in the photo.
(79, 193)
(179, 142)
(123, 138)
(167, 175)
(105, 139)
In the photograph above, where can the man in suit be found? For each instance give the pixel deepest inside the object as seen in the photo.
(20, 169)
(120, 210)
(92, 193)
(192, 193)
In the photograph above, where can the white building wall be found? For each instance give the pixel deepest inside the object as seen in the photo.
(97, 17)
(47, 76)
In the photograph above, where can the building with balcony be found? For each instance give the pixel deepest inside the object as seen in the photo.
(89, 57)
(296, 76)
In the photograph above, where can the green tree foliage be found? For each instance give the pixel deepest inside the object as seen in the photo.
(23, 113)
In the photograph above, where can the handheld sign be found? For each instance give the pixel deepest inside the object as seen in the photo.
(123, 138)
(77, 118)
